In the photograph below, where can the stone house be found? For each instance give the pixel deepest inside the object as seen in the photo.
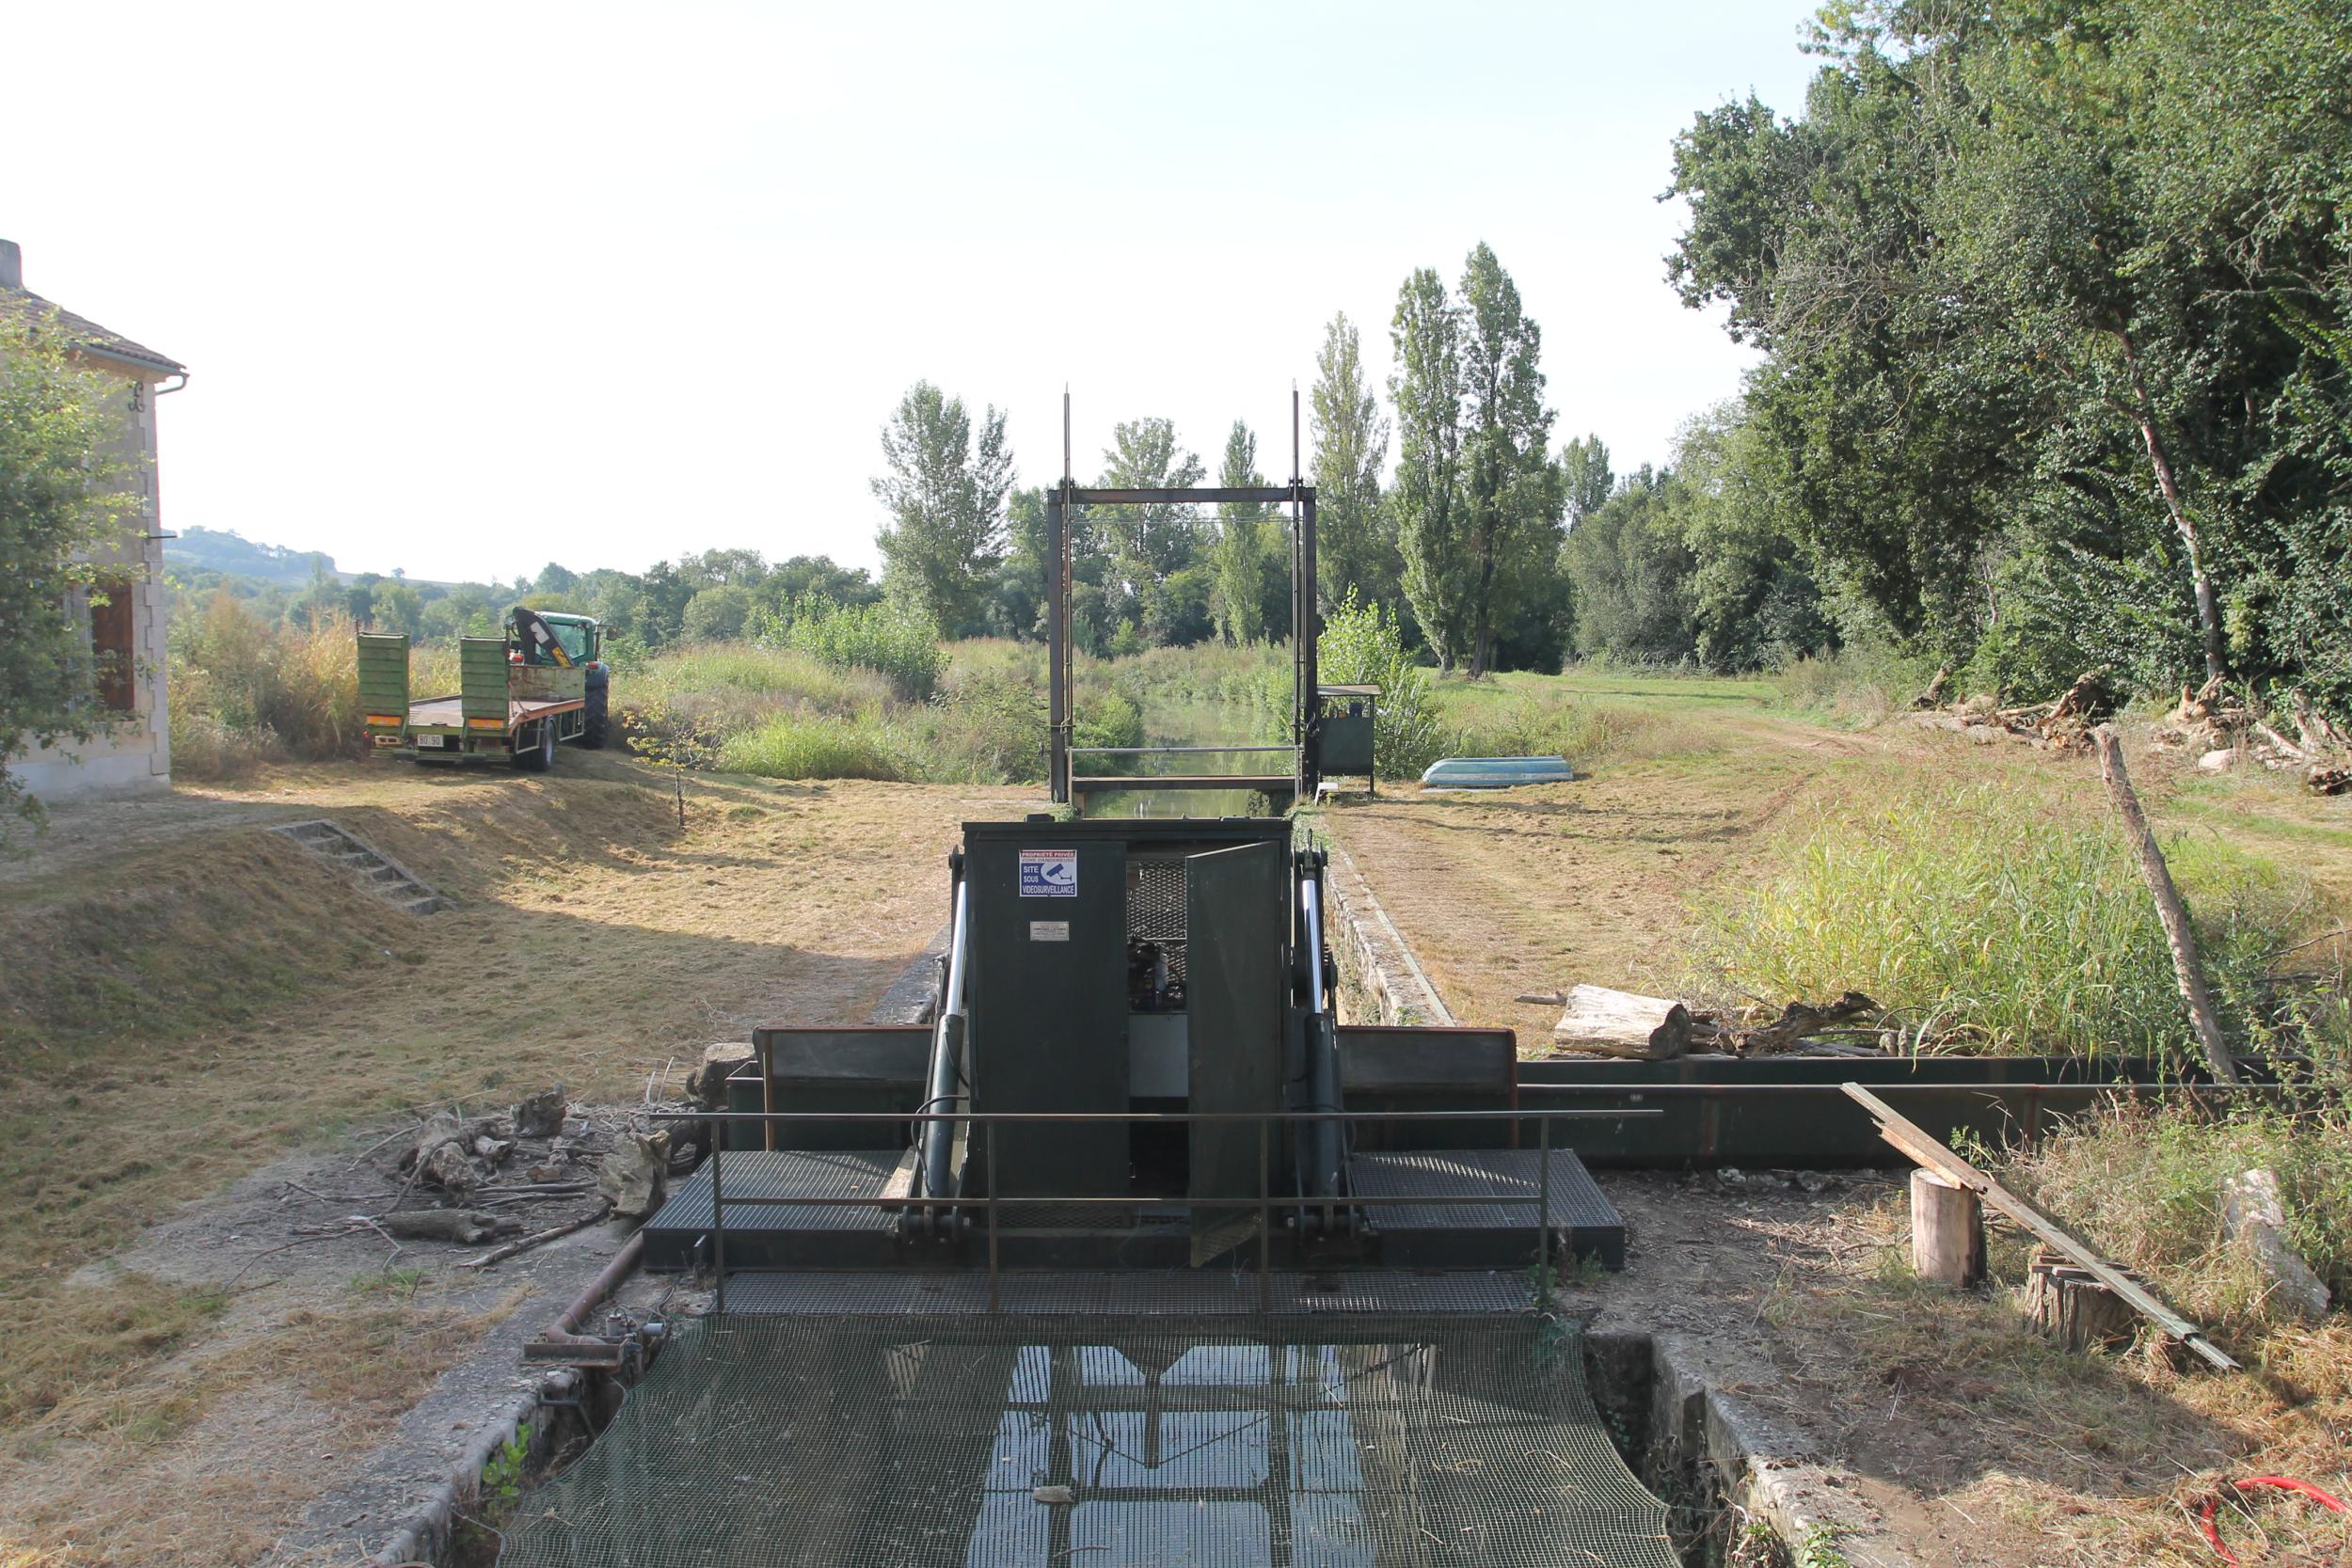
(130, 750)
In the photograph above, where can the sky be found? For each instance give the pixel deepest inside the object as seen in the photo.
(467, 288)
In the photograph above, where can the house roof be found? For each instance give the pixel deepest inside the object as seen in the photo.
(86, 334)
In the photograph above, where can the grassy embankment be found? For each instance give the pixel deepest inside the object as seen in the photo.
(187, 998)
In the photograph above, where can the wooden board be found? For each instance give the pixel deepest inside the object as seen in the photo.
(1930, 1153)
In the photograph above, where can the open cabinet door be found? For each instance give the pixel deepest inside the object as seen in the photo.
(1236, 921)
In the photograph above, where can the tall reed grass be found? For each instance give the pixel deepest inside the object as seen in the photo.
(1995, 917)
(243, 692)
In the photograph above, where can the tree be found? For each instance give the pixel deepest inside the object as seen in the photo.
(396, 606)
(1155, 548)
(1585, 481)
(1426, 389)
(1509, 487)
(64, 499)
(717, 614)
(1355, 546)
(1250, 565)
(945, 490)
(554, 578)
(1630, 571)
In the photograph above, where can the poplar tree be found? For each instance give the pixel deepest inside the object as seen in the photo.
(1509, 492)
(1247, 557)
(1426, 389)
(945, 490)
(1354, 544)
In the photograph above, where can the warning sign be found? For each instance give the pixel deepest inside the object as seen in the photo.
(1049, 873)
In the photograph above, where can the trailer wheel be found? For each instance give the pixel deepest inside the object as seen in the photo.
(598, 723)
(540, 756)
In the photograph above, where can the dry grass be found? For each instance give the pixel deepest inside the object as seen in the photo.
(1999, 1448)
(183, 1003)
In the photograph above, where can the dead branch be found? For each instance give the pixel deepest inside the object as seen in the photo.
(2186, 967)
(499, 1255)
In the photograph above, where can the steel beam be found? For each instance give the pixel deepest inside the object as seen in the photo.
(1057, 645)
(1263, 494)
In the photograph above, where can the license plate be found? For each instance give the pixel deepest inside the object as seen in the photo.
(434, 740)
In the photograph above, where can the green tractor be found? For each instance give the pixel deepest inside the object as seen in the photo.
(518, 696)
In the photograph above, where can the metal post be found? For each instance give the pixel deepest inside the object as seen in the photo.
(1543, 1208)
(987, 1137)
(1310, 676)
(1056, 644)
(718, 1236)
(1265, 1221)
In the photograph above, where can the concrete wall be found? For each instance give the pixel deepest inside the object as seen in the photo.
(131, 754)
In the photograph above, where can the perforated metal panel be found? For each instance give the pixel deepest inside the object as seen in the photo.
(1155, 910)
(1043, 1442)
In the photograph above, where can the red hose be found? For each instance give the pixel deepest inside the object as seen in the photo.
(2284, 1483)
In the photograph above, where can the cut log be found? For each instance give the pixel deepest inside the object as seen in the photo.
(1947, 1231)
(2069, 1305)
(469, 1227)
(1933, 695)
(1619, 1024)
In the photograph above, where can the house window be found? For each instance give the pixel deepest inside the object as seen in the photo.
(112, 649)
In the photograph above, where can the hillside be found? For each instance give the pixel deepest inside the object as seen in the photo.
(231, 552)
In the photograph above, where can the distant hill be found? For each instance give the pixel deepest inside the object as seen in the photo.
(231, 552)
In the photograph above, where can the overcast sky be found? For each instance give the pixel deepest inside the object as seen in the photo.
(467, 288)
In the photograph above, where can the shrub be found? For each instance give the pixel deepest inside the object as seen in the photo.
(241, 692)
(1361, 645)
(897, 640)
(1992, 918)
(794, 746)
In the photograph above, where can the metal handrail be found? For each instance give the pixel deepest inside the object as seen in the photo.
(1166, 750)
(1265, 1202)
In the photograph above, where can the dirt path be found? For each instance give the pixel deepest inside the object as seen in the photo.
(1542, 888)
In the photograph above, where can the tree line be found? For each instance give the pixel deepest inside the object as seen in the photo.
(2055, 302)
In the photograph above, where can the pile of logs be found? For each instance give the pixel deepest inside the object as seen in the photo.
(2212, 723)
(1600, 1022)
(2218, 726)
(2061, 724)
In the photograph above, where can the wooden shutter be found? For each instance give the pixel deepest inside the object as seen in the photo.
(112, 646)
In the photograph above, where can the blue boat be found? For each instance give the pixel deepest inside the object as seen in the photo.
(1495, 773)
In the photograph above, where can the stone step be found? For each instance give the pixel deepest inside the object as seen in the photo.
(376, 871)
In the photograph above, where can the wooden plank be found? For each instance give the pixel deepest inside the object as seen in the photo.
(1928, 1152)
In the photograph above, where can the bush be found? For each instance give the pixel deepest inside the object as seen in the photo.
(793, 745)
(898, 641)
(1363, 646)
(242, 692)
(1992, 917)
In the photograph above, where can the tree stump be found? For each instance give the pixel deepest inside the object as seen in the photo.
(1947, 1231)
(2069, 1303)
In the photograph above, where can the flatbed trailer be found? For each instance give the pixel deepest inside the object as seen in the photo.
(518, 696)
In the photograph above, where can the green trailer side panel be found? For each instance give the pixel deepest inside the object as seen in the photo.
(383, 673)
(481, 677)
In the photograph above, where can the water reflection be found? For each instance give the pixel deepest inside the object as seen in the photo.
(986, 1443)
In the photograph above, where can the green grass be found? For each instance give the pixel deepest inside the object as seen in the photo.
(1994, 916)
(793, 746)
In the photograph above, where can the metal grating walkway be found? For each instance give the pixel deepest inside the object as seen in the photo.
(775, 1442)
(1461, 1235)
